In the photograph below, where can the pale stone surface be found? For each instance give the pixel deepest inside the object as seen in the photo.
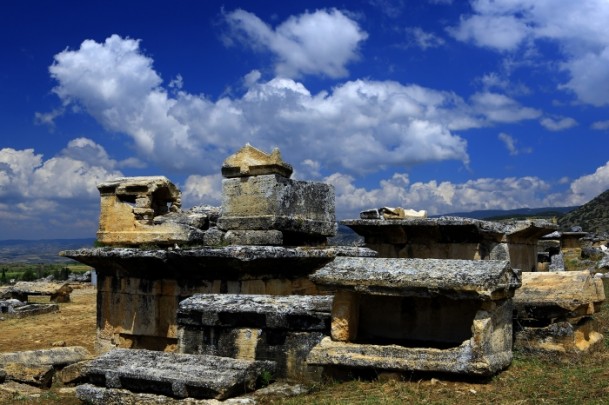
(250, 161)
(565, 294)
(454, 238)
(272, 202)
(559, 337)
(484, 280)
(58, 292)
(392, 213)
(176, 375)
(345, 316)
(59, 356)
(72, 373)
(130, 211)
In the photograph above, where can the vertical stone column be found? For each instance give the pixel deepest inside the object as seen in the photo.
(345, 316)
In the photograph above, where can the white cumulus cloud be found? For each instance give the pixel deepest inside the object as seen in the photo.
(319, 43)
(579, 28)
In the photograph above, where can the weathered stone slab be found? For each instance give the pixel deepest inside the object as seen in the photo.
(58, 292)
(294, 312)
(73, 373)
(269, 237)
(207, 261)
(130, 211)
(484, 280)
(59, 356)
(564, 294)
(176, 375)
(250, 161)
(273, 202)
(31, 310)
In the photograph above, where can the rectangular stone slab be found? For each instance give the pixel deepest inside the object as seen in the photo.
(547, 295)
(293, 312)
(177, 375)
(479, 279)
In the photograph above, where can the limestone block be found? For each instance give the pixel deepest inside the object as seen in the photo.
(479, 279)
(131, 208)
(293, 312)
(345, 316)
(273, 202)
(58, 292)
(72, 373)
(250, 161)
(564, 294)
(267, 237)
(58, 356)
(175, 374)
(559, 337)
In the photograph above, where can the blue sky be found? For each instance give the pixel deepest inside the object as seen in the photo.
(439, 105)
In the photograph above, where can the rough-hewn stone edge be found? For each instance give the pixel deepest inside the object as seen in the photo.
(59, 356)
(176, 374)
(276, 309)
(558, 338)
(31, 310)
(279, 222)
(240, 252)
(483, 279)
(458, 360)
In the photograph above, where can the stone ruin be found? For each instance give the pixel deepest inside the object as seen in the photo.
(207, 300)
(440, 315)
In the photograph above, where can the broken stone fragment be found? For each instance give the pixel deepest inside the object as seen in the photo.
(59, 356)
(146, 210)
(176, 375)
(250, 161)
(564, 294)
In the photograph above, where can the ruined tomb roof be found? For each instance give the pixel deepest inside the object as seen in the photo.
(250, 161)
(532, 229)
(139, 185)
(478, 279)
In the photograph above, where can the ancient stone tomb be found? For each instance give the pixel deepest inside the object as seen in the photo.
(418, 314)
(554, 312)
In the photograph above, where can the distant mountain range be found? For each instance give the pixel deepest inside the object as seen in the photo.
(39, 251)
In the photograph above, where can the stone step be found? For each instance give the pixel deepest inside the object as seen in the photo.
(175, 374)
(294, 312)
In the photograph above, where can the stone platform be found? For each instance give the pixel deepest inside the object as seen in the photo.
(175, 375)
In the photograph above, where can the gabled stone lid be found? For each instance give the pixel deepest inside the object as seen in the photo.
(250, 161)
(477, 279)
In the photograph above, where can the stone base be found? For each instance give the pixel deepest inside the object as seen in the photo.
(458, 360)
(559, 337)
(176, 375)
(283, 329)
